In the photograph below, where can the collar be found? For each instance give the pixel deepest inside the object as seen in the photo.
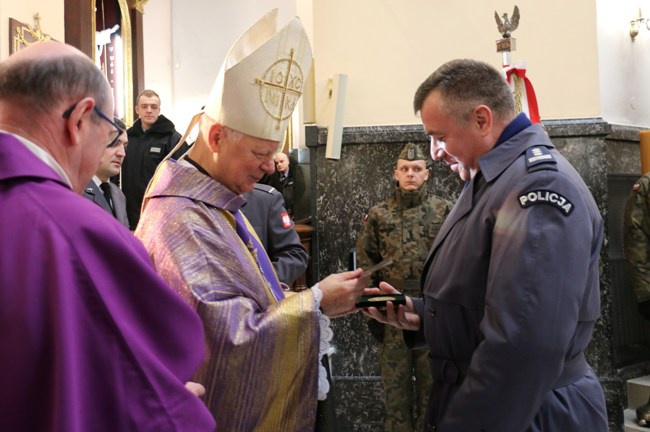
(494, 162)
(181, 179)
(519, 123)
(44, 156)
(408, 199)
(196, 165)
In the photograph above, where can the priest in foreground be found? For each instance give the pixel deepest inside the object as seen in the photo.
(262, 370)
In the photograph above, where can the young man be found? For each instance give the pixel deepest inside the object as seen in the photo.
(151, 138)
(511, 286)
(91, 339)
(402, 228)
(100, 189)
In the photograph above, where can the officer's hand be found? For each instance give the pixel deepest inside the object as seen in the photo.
(644, 309)
(401, 316)
(341, 291)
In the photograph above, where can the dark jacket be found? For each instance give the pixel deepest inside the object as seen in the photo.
(511, 297)
(274, 227)
(291, 186)
(95, 194)
(143, 154)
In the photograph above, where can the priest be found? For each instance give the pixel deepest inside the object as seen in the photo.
(262, 371)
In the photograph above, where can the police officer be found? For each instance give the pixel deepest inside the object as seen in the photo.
(636, 232)
(511, 285)
(265, 211)
(402, 228)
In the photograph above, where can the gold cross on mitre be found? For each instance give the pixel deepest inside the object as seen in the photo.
(281, 87)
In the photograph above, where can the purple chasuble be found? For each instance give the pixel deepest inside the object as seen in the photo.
(261, 368)
(91, 338)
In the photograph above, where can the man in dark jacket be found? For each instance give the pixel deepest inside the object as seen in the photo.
(151, 138)
(511, 285)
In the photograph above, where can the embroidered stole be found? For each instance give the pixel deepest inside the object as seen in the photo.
(259, 254)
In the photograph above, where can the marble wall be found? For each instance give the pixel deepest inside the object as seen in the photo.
(343, 190)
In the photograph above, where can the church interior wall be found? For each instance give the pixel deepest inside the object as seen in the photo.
(51, 13)
(623, 63)
(386, 49)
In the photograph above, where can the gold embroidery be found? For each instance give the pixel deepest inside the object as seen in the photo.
(280, 88)
(518, 101)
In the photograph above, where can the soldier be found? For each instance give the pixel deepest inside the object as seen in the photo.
(402, 228)
(636, 229)
(511, 285)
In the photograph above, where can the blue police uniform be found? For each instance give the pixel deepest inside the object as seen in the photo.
(511, 296)
(264, 209)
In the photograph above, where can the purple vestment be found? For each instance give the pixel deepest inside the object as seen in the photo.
(91, 339)
(261, 370)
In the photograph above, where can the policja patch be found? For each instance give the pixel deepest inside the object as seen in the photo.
(546, 197)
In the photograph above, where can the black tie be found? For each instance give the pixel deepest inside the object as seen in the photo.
(106, 188)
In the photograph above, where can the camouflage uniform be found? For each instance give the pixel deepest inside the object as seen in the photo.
(402, 228)
(636, 237)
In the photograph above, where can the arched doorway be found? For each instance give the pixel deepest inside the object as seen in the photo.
(91, 27)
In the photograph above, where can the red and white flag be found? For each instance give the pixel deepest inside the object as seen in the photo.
(522, 89)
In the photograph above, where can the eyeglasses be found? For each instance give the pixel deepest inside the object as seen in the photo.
(114, 134)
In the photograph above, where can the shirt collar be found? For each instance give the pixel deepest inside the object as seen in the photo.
(44, 156)
(500, 157)
(520, 123)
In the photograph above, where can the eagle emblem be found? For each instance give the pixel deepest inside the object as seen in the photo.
(507, 25)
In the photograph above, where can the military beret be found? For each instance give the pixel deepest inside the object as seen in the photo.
(412, 152)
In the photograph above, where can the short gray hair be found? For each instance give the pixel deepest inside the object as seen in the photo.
(465, 84)
(44, 83)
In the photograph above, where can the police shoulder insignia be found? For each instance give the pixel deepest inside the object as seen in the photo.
(264, 188)
(286, 220)
(546, 197)
(539, 155)
(636, 187)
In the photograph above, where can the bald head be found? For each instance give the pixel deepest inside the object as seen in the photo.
(54, 96)
(281, 162)
(44, 51)
(49, 73)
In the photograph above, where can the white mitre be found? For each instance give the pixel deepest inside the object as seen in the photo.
(262, 79)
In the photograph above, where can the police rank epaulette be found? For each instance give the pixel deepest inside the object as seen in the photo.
(536, 156)
(265, 188)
